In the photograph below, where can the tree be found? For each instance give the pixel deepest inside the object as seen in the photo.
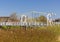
(13, 16)
(42, 19)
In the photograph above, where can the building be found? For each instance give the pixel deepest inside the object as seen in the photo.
(8, 19)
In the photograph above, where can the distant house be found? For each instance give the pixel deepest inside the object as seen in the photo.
(8, 19)
(57, 20)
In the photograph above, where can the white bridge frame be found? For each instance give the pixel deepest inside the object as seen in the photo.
(25, 23)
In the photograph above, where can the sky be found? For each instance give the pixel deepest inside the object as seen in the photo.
(8, 7)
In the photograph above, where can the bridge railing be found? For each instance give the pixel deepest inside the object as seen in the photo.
(21, 24)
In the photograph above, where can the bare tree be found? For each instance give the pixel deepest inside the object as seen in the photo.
(13, 17)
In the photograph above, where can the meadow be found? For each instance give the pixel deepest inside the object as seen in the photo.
(30, 34)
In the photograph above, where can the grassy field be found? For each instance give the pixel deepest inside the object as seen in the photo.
(34, 34)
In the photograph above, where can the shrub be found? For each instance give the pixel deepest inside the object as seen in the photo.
(4, 27)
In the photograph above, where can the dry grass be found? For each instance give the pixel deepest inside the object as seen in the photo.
(30, 35)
